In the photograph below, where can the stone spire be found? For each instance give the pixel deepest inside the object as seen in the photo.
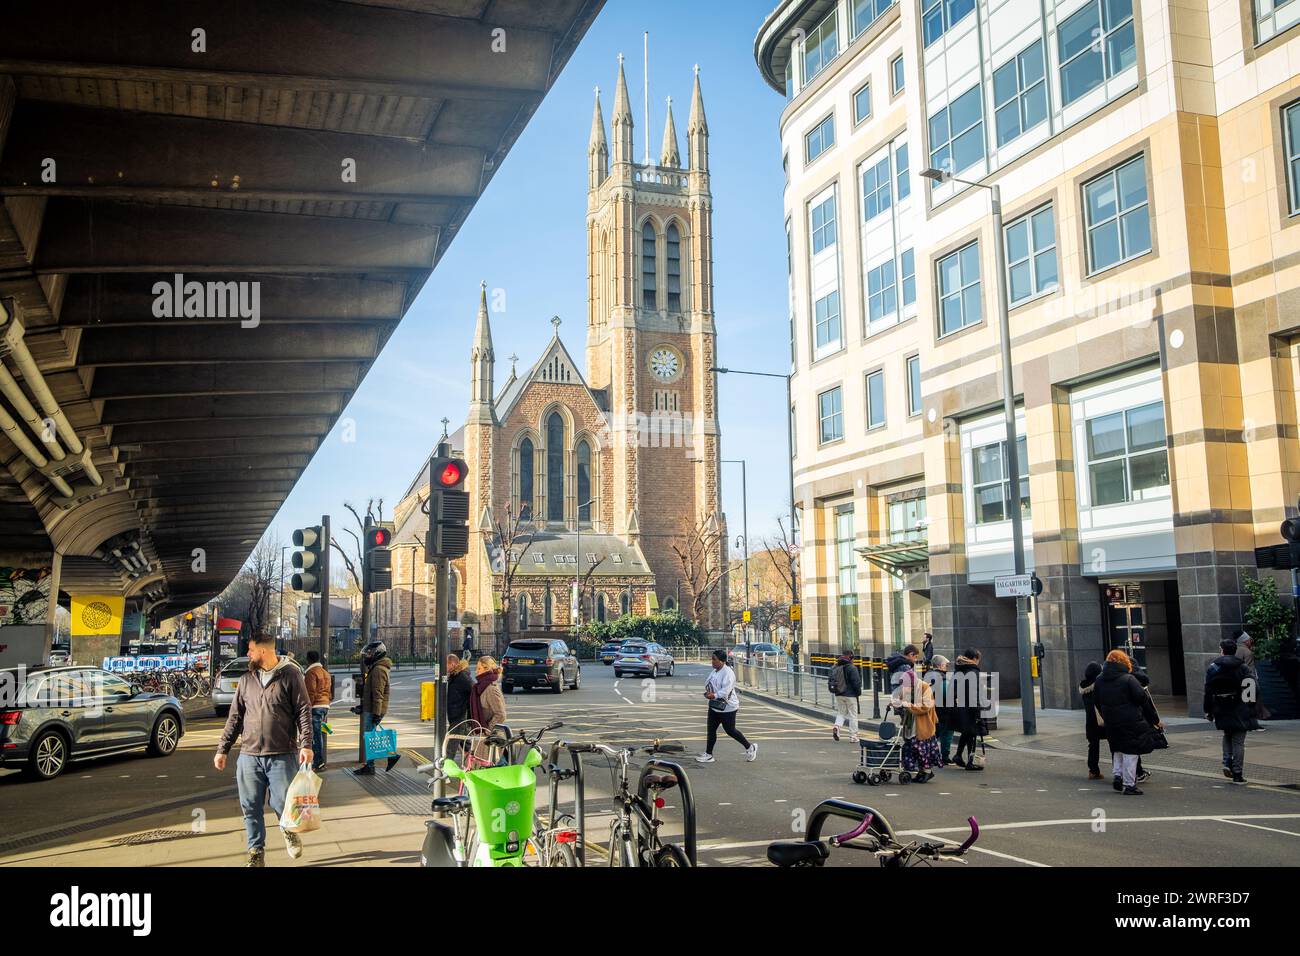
(622, 119)
(669, 156)
(598, 148)
(697, 129)
(482, 360)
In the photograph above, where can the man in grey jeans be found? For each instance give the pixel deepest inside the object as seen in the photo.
(273, 713)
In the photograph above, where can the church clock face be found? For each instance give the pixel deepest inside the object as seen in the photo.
(665, 364)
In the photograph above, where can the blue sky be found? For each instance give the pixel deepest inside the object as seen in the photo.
(527, 236)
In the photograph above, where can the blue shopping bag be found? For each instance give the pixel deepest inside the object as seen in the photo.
(381, 743)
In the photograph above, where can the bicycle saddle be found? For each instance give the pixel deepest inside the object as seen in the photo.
(450, 803)
(660, 781)
(798, 853)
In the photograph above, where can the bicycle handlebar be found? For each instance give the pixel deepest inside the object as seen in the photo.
(970, 840)
(853, 834)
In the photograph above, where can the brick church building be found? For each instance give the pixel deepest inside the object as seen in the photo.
(610, 476)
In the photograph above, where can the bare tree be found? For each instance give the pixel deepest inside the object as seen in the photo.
(514, 536)
(784, 555)
(703, 572)
(587, 588)
(262, 579)
(353, 561)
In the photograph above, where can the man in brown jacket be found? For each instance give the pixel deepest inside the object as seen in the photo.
(319, 685)
(271, 715)
(374, 695)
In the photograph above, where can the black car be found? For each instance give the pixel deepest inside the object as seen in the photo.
(538, 662)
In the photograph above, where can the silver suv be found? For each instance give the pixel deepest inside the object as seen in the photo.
(51, 716)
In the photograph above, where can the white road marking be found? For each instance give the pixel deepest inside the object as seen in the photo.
(1088, 821)
(724, 804)
(1040, 791)
(1256, 826)
(944, 793)
(780, 801)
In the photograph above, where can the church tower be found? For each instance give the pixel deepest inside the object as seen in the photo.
(480, 446)
(651, 341)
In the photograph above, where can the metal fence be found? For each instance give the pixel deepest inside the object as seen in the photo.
(808, 685)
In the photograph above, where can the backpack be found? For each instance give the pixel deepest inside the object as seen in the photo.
(837, 684)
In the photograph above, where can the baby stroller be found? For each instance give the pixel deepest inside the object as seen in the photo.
(879, 760)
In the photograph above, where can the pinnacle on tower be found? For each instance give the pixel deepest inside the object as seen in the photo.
(697, 129)
(482, 360)
(669, 155)
(622, 119)
(598, 147)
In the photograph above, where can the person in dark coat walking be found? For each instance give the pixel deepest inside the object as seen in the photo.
(940, 679)
(845, 683)
(1224, 704)
(1129, 717)
(966, 707)
(1091, 729)
(927, 648)
(460, 687)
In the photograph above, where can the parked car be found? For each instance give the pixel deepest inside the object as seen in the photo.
(538, 662)
(609, 651)
(59, 656)
(223, 688)
(66, 714)
(644, 657)
(759, 652)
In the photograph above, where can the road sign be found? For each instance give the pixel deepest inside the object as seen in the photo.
(1014, 585)
(746, 617)
(796, 612)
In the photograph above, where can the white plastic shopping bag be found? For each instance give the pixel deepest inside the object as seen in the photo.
(302, 803)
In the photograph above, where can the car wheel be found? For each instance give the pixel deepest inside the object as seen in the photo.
(49, 757)
(618, 674)
(577, 678)
(221, 711)
(559, 684)
(166, 735)
(672, 668)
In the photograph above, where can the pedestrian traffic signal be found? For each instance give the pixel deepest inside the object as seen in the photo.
(377, 560)
(309, 560)
(448, 509)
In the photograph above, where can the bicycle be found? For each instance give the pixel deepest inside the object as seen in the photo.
(497, 800)
(877, 837)
(634, 831)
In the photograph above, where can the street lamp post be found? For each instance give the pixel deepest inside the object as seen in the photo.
(1012, 453)
(577, 567)
(744, 519)
(789, 437)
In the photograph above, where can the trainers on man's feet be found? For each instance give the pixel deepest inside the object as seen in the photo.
(958, 761)
(293, 843)
(1239, 779)
(835, 733)
(1143, 776)
(1095, 775)
(256, 858)
(1117, 783)
(705, 758)
(1227, 772)
(1132, 792)
(364, 772)
(752, 753)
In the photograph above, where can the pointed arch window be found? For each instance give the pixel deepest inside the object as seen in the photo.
(600, 608)
(526, 479)
(674, 263)
(584, 482)
(555, 467)
(523, 613)
(625, 603)
(649, 268)
(548, 607)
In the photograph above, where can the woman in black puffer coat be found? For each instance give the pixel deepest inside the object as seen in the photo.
(1091, 729)
(1129, 718)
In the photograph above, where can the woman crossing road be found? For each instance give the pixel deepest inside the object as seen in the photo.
(724, 704)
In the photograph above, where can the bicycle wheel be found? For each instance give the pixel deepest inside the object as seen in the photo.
(562, 855)
(671, 854)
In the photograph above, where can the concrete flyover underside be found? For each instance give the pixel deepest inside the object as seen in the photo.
(319, 154)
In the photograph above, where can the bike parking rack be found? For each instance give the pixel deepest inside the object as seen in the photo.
(579, 792)
(849, 811)
(688, 798)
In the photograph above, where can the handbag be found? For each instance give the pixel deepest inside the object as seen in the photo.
(718, 704)
(381, 743)
(1157, 739)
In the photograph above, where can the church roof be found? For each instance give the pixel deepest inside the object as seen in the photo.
(555, 366)
(551, 554)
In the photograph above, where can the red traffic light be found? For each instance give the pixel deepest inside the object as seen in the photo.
(452, 474)
(377, 537)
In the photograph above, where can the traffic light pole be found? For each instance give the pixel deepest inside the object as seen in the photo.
(325, 593)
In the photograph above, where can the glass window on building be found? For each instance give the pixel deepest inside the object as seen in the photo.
(882, 293)
(940, 16)
(649, 268)
(867, 12)
(1020, 93)
(1031, 255)
(1117, 215)
(896, 75)
(902, 172)
(820, 47)
(822, 224)
(862, 104)
(831, 415)
(914, 385)
(846, 568)
(1127, 456)
(820, 139)
(826, 320)
(877, 193)
(959, 289)
(907, 264)
(907, 521)
(674, 264)
(957, 133)
(991, 486)
(1291, 125)
(1093, 45)
(876, 400)
(789, 77)
(1273, 17)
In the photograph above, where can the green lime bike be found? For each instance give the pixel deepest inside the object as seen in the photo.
(494, 822)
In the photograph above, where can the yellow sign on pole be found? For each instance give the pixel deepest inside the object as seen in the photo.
(428, 700)
(97, 615)
(746, 617)
(796, 612)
